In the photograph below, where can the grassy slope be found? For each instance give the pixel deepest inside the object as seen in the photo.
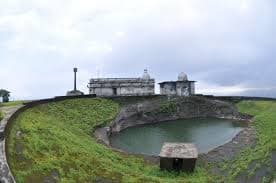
(11, 103)
(57, 136)
(265, 124)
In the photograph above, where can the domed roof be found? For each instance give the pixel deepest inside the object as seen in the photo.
(182, 77)
(146, 75)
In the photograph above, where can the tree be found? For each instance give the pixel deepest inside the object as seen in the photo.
(5, 95)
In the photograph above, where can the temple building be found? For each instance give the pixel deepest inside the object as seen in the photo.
(181, 87)
(140, 86)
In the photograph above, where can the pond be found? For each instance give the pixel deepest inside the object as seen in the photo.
(207, 134)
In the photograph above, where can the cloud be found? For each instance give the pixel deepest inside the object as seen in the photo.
(235, 90)
(228, 45)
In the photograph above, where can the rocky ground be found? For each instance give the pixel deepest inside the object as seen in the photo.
(228, 151)
(246, 138)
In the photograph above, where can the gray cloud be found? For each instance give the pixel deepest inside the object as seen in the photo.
(227, 46)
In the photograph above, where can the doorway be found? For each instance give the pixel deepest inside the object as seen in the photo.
(177, 164)
(114, 91)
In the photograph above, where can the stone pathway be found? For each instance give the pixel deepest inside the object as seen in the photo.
(5, 174)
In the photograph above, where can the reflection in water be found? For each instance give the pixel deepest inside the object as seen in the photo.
(205, 133)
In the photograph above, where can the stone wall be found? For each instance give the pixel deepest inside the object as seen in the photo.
(168, 88)
(5, 173)
(124, 91)
(192, 88)
(121, 86)
(179, 88)
(185, 88)
(162, 108)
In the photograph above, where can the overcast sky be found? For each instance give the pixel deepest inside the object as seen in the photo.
(228, 46)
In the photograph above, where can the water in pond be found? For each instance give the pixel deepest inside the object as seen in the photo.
(205, 133)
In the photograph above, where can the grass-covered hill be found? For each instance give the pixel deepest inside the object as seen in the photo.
(54, 142)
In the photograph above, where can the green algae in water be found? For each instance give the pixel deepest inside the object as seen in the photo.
(207, 134)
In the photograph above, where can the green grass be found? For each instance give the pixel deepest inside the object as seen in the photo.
(265, 124)
(58, 137)
(11, 103)
(168, 107)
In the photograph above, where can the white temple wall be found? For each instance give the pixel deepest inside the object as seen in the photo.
(182, 89)
(193, 88)
(168, 89)
(121, 88)
(177, 88)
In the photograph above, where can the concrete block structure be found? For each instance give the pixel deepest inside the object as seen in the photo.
(181, 87)
(178, 157)
(122, 86)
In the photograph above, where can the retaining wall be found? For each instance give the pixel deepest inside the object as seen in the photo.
(161, 109)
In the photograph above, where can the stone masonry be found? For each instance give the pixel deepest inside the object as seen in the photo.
(122, 86)
(5, 173)
(181, 87)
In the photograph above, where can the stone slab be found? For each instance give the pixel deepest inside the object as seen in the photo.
(5, 173)
(179, 150)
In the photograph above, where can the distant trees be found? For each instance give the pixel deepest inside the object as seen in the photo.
(5, 95)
